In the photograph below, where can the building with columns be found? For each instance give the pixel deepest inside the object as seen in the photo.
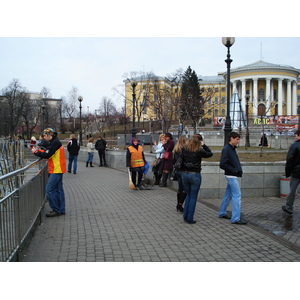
(264, 89)
(268, 89)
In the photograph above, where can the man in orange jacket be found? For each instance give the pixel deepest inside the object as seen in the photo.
(55, 154)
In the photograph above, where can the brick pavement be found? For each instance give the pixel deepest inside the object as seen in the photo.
(107, 222)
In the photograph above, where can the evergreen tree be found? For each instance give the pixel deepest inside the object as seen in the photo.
(191, 100)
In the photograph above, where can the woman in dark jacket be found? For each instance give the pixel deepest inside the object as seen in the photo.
(181, 194)
(167, 159)
(192, 154)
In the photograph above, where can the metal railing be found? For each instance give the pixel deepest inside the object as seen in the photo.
(21, 203)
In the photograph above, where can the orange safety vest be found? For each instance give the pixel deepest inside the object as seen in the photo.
(57, 162)
(136, 157)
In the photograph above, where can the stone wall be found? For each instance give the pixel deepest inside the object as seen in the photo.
(259, 179)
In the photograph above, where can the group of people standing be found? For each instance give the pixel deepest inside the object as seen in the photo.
(100, 146)
(187, 156)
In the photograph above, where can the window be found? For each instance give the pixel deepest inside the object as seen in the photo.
(209, 112)
(274, 94)
(216, 90)
(223, 100)
(223, 112)
(223, 89)
(261, 94)
(216, 100)
(216, 112)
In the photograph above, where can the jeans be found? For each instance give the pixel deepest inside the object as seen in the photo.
(72, 159)
(90, 157)
(233, 192)
(294, 182)
(55, 193)
(191, 183)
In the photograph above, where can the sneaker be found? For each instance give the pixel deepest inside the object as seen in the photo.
(53, 213)
(74, 172)
(69, 171)
(286, 210)
(240, 222)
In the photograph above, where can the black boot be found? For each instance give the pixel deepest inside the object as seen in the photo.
(157, 178)
(91, 165)
(180, 199)
(164, 180)
(87, 164)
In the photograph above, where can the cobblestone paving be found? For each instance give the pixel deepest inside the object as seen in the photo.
(105, 221)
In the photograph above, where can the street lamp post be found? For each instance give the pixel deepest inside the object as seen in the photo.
(228, 42)
(43, 118)
(80, 129)
(247, 144)
(133, 130)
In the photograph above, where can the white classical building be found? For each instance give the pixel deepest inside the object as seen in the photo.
(272, 89)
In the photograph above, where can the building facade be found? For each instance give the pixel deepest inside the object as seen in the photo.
(265, 89)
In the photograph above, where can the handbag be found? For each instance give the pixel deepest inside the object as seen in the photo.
(166, 155)
(178, 164)
(156, 162)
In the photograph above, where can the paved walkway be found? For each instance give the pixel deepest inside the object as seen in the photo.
(105, 221)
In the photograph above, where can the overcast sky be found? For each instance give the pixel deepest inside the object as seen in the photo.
(90, 45)
(96, 65)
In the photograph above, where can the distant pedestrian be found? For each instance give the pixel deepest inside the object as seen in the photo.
(90, 150)
(230, 163)
(263, 141)
(157, 163)
(100, 146)
(292, 169)
(167, 158)
(192, 153)
(73, 148)
(135, 161)
(55, 154)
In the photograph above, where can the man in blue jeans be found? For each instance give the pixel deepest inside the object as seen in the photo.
(73, 148)
(230, 163)
(55, 154)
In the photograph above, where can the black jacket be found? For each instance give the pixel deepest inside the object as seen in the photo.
(52, 147)
(100, 144)
(191, 161)
(73, 146)
(230, 162)
(292, 166)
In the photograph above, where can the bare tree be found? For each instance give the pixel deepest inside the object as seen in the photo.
(15, 97)
(46, 92)
(69, 108)
(107, 108)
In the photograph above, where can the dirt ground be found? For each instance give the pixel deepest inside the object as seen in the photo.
(253, 154)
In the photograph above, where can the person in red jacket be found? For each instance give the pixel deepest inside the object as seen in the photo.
(55, 154)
